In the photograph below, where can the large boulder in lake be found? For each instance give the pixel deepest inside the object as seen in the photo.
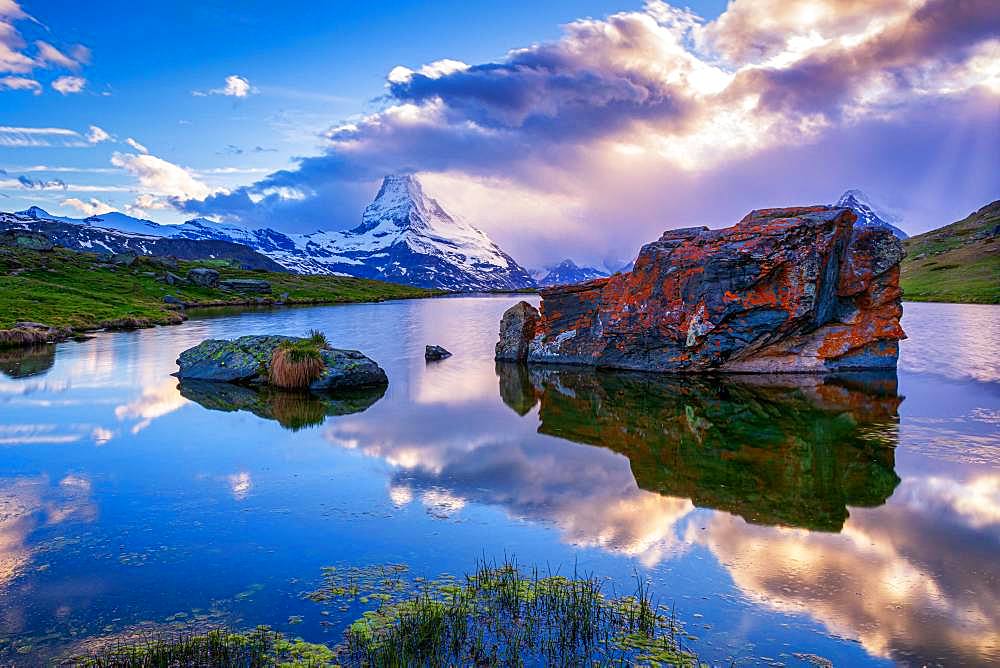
(785, 290)
(247, 360)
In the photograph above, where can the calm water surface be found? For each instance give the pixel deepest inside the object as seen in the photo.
(855, 519)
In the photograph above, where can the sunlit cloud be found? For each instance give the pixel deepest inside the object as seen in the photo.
(96, 135)
(235, 86)
(160, 176)
(91, 207)
(136, 145)
(21, 83)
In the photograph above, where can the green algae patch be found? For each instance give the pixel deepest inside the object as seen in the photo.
(260, 647)
(499, 615)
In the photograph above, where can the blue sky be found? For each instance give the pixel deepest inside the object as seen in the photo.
(634, 118)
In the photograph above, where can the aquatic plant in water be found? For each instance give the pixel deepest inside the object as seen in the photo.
(500, 615)
(258, 648)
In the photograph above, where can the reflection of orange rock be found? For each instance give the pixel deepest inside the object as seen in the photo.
(908, 583)
(775, 450)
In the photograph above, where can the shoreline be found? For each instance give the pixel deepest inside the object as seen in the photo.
(26, 337)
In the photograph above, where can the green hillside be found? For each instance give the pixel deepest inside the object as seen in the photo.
(956, 263)
(80, 291)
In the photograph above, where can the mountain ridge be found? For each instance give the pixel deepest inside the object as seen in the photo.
(404, 236)
(568, 272)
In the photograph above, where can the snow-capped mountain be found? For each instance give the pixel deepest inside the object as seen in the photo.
(404, 237)
(567, 272)
(407, 237)
(869, 214)
(73, 234)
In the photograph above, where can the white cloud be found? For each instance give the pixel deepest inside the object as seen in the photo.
(14, 51)
(147, 201)
(50, 55)
(59, 185)
(97, 135)
(236, 86)
(91, 207)
(160, 176)
(12, 56)
(136, 145)
(15, 137)
(53, 168)
(20, 83)
(69, 84)
(435, 70)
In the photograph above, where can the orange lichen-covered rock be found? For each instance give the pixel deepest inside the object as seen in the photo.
(785, 290)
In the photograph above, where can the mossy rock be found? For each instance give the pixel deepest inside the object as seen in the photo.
(246, 361)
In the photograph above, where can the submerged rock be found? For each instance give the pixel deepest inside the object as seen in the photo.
(785, 290)
(247, 360)
(434, 353)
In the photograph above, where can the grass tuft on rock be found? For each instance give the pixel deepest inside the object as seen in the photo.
(296, 364)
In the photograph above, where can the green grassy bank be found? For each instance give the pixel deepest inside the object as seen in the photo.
(956, 263)
(81, 291)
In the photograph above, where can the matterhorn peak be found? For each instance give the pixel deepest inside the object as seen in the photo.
(869, 214)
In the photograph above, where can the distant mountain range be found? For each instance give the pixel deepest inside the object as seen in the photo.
(404, 237)
(73, 234)
(567, 272)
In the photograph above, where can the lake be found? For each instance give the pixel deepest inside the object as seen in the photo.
(785, 519)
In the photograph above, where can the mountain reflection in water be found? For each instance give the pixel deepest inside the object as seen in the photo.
(792, 450)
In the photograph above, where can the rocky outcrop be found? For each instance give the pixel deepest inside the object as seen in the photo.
(254, 285)
(785, 290)
(435, 353)
(206, 278)
(25, 239)
(517, 330)
(246, 360)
